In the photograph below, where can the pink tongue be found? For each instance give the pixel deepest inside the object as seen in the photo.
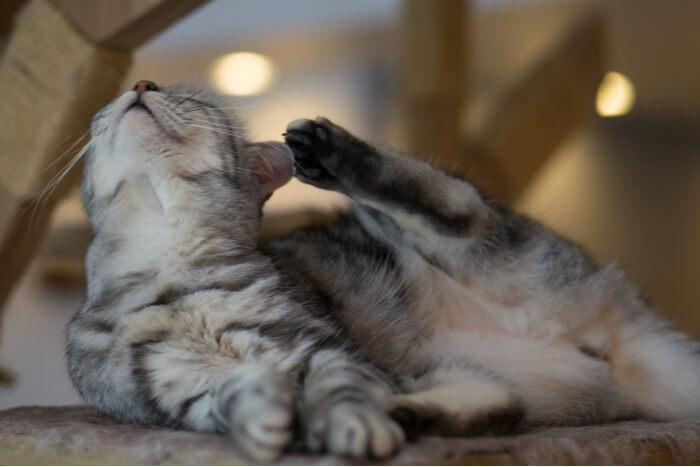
(275, 165)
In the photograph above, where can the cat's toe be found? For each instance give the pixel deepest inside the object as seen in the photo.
(260, 417)
(355, 430)
(263, 436)
(315, 156)
(301, 137)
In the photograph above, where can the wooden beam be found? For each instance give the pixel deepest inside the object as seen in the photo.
(512, 137)
(124, 24)
(433, 73)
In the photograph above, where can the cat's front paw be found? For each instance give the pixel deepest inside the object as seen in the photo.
(354, 429)
(259, 415)
(324, 153)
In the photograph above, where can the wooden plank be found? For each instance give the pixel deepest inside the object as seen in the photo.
(433, 76)
(124, 24)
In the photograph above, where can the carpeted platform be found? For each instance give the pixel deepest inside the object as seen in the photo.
(77, 435)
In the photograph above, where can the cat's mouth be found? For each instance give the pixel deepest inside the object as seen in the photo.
(134, 102)
(139, 106)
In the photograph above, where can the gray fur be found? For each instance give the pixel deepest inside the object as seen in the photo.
(427, 302)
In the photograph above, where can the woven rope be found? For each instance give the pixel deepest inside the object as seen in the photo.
(52, 80)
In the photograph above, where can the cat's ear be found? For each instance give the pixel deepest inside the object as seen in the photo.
(273, 163)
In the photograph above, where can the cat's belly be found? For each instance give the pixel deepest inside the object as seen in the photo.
(449, 305)
(526, 340)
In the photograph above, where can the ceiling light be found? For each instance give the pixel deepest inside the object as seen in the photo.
(243, 73)
(615, 95)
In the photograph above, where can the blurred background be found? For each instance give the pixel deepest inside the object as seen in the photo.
(582, 114)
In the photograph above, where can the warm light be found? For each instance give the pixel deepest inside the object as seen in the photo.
(243, 73)
(615, 95)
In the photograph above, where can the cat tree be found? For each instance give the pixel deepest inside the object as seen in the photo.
(65, 59)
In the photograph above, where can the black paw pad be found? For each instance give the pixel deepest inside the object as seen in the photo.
(314, 155)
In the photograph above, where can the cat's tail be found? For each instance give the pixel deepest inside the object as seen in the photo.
(654, 369)
(659, 371)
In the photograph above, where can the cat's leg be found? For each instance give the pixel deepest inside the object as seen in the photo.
(436, 209)
(255, 405)
(458, 401)
(345, 408)
(204, 378)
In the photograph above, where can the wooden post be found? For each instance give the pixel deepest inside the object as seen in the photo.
(433, 77)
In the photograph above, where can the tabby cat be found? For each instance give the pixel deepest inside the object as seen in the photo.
(426, 309)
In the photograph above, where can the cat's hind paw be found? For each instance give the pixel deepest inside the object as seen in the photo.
(446, 412)
(354, 430)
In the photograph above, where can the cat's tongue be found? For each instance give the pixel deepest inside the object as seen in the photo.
(274, 164)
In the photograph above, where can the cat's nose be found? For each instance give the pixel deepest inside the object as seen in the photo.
(145, 85)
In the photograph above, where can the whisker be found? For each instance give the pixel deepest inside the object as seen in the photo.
(45, 194)
(217, 130)
(188, 97)
(111, 75)
(236, 107)
(65, 153)
(203, 106)
(299, 167)
(213, 124)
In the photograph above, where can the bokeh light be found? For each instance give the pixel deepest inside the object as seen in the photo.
(243, 73)
(615, 96)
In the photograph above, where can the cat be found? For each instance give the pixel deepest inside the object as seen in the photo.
(426, 309)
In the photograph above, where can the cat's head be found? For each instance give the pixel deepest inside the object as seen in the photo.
(172, 149)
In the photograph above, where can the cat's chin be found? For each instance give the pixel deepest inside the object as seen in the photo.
(140, 133)
(138, 118)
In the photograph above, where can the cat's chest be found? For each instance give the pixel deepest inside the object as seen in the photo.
(164, 243)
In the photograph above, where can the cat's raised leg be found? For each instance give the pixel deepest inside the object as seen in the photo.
(345, 408)
(434, 209)
(458, 402)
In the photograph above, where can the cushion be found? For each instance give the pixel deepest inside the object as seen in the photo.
(79, 435)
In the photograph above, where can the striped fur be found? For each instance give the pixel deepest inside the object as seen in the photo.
(427, 302)
(187, 323)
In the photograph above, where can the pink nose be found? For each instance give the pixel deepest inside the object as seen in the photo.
(145, 85)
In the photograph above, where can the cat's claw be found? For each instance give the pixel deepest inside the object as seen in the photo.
(354, 430)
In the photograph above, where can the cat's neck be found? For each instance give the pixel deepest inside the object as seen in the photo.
(154, 260)
(184, 238)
